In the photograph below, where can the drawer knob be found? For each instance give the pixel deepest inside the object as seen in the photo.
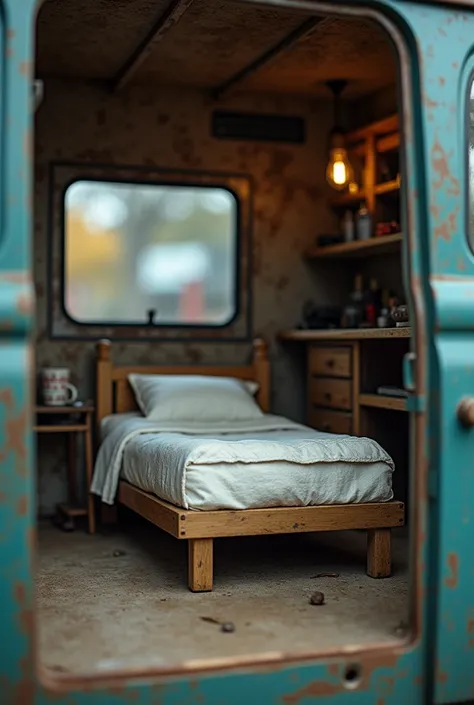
(465, 411)
(330, 363)
(327, 395)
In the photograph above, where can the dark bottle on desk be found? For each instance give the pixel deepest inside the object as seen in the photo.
(354, 311)
(373, 303)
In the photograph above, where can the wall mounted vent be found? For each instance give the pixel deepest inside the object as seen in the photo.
(258, 127)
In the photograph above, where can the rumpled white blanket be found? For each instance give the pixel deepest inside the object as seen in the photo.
(176, 446)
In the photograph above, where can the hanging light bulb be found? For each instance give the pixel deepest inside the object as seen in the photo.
(339, 172)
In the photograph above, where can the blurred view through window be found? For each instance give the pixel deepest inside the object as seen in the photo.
(134, 248)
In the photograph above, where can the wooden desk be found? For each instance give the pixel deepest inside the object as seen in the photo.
(344, 368)
(71, 420)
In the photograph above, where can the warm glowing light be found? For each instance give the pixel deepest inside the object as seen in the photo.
(339, 173)
(353, 187)
(339, 170)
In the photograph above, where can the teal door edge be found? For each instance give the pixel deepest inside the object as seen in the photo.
(435, 146)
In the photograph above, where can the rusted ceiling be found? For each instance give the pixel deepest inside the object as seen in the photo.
(211, 41)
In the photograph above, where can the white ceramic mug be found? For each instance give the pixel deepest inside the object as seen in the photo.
(56, 388)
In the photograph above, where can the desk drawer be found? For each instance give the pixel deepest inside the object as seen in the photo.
(330, 421)
(336, 393)
(330, 362)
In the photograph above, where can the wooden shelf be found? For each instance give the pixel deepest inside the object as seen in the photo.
(387, 187)
(345, 334)
(384, 244)
(388, 143)
(59, 428)
(347, 199)
(381, 127)
(379, 401)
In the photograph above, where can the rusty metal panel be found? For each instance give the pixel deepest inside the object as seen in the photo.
(446, 70)
(441, 279)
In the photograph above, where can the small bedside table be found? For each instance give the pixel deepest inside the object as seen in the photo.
(72, 420)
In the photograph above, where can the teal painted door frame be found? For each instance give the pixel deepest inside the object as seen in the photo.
(435, 44)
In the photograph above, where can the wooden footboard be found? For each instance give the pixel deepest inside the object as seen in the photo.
(199, 528)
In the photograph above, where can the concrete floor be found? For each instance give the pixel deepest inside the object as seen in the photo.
(97, 610)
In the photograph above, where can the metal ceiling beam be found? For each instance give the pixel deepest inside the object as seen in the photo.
(284, 44)
(164, 23)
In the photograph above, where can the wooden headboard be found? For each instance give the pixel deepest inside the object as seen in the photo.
(114, 394)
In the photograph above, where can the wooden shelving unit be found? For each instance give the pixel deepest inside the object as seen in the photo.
(367, 143)
(385, 244)
(387, 187)
(345, 334)
(347, 199)
(378, 401)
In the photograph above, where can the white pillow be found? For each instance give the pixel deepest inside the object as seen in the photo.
(195, 398)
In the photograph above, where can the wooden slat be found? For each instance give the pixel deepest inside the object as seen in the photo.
(344, 334)
(387, 187)
(160, 513)
(114, 393)
(383, 402)
(381, 127)
(384, 244)
(386, 144)
(245, 372)
(63, 409)
(282, 520)
(347, 199)
(60, 428)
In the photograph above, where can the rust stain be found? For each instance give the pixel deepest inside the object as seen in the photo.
(434, 210)
(442, 231)
(461, 265)
(25, 68)
(441, 80)
(440, 164)
(26, 613)
(11, 34)
(312, 690)
(453, 563)
(24, 304)
(15, 277)
(22, 506)
(441, 677)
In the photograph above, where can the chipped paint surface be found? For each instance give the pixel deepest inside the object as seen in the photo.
(442, 519)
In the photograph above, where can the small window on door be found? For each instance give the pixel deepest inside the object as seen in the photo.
(136, 254)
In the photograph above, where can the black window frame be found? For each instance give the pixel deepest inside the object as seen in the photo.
(156, 325)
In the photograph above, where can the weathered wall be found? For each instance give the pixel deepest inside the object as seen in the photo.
(152, 126)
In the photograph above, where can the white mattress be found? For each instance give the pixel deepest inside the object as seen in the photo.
(282, 464)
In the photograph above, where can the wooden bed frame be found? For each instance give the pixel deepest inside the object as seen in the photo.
(199, 528)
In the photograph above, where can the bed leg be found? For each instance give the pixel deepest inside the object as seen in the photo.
(379, 559)
(200, 570)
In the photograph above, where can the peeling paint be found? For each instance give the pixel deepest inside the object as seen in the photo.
(453, 566)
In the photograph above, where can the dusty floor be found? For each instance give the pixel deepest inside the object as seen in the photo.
(97, 610)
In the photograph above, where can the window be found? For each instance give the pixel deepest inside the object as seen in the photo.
(145, 253)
